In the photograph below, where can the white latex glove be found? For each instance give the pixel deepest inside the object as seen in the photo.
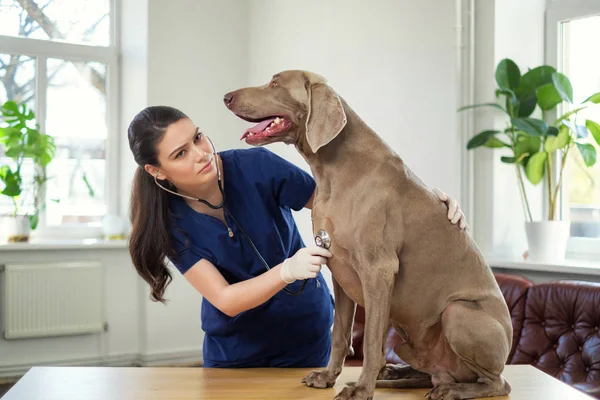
(455, 214)
(305, 264)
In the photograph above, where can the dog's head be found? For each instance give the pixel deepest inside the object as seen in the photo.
(294, 106)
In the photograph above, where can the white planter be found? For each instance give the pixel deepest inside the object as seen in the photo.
(547, 240)
(16, 229)
(113, 227)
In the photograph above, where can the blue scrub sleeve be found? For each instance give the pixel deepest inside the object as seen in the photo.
(187, 256)
(292, 186)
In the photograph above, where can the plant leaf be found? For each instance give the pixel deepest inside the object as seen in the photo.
(508, 160)
(495, 105)
(563, 86)
(581, 131)
(548, 97)
(494, 142)
(506, 92)
(595, 98)
(530, 82)
(87, 184)
(14, 151)
(567, 115)
(527, 145)
(33, 220)
(533, 79)
(10, 108)
(480, 139)
(554, 143)
(552, 131)
(535, 167)
(508, 74)
(532, 126)
(593, 127)
(12, 182)
(527, 105)
(588, 153)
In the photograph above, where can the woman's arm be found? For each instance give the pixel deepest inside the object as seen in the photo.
(236, 298)
(245, 295)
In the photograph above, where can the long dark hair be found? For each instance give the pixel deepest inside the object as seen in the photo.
(149, 242)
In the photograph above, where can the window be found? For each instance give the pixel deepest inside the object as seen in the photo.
(582, 185)
(60, 57)
(571, 39)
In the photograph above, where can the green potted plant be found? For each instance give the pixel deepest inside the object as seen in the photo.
(27, 152)
(538, 148)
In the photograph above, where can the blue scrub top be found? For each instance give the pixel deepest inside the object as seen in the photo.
(261, 191)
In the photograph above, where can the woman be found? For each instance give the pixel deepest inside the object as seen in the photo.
(252, 316)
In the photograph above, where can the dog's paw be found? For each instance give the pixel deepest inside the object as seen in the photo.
(320, 379)
(354, 392)
(442, 392)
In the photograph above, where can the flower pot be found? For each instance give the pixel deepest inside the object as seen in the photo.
(547, 240)
(112, 227)
(16, 229)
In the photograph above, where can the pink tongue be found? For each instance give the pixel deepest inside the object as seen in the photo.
(261, 126)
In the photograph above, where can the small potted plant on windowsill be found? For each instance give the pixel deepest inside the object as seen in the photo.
(538, 148)
(25, 148)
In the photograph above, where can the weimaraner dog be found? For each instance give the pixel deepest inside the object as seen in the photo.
(394, 252)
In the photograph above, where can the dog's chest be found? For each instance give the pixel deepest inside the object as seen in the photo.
(342, 264)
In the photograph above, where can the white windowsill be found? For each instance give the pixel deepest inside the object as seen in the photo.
(569, 266)
(66, 244)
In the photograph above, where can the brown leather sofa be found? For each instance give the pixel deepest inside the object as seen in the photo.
(556, 329)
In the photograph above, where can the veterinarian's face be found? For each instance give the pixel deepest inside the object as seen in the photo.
(279, 108)
(185, 157)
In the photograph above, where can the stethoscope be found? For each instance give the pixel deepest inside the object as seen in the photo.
(322, 239)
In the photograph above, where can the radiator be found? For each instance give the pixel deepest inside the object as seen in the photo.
(52, 299)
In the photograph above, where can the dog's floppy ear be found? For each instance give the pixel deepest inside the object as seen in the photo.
(326, 117)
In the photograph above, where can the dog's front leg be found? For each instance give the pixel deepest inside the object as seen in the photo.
(378, 285)
(341, 340)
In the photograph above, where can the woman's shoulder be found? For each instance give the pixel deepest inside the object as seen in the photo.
(253, 160)
(247, 154)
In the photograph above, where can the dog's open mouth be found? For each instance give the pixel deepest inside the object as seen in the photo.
(266, 128)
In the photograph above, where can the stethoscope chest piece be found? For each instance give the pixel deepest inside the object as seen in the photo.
(322, 239)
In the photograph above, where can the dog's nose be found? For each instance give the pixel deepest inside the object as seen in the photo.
(228, 98)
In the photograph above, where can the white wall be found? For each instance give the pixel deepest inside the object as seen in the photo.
(197, 53)
(393, 62)
(122, 304)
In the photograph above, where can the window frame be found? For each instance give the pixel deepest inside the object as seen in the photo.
(43, 49)
(558, 12)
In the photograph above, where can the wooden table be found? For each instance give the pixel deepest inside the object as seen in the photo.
(103, 383)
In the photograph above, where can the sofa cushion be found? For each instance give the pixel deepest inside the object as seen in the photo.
(561, 332)
(514, 289)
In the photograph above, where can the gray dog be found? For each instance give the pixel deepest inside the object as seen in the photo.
(394, 252)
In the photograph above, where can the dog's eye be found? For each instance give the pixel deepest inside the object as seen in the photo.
(273, 84)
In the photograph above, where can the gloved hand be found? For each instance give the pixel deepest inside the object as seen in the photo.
(306, 263)
(455, 214)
